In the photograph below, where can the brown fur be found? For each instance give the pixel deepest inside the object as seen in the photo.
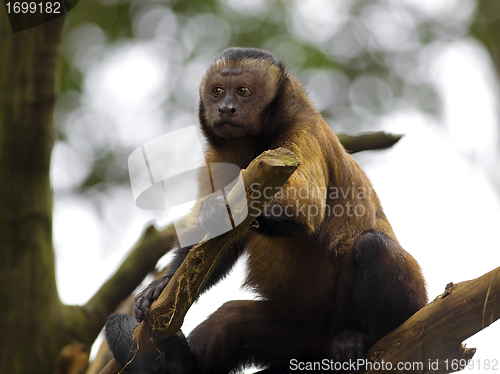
(330, 285)
(304, 276)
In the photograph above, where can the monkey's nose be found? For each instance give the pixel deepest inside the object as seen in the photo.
(227, 109)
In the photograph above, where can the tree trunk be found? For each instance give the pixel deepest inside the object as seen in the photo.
(31, 309)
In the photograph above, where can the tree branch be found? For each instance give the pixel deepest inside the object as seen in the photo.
(141, 260)
(368, 141)
(436, 331)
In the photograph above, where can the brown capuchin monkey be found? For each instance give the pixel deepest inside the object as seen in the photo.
(331, 275)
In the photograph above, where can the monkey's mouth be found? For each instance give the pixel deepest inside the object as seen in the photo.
(227, 123)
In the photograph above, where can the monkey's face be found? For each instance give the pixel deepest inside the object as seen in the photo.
(235, 96)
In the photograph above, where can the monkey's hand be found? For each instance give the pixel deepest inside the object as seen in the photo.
(213, 216)
(278, 221)
(144, 300)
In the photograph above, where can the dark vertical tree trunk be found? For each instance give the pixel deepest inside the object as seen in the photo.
(486, 28)
(31, 310)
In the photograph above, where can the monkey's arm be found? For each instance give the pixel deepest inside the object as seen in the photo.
(144, 300)
(298, 207)
(208, 214)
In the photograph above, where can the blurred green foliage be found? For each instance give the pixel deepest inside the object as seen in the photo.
(359, 59)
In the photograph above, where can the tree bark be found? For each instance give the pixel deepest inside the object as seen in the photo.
(430, 341)
(435, 332)
(30, 304)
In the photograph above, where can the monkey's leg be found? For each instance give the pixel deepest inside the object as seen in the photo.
(242, 333)
(387, 288)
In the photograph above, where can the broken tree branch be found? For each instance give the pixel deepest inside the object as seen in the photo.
(433, 336)
(430, 341)
(270, 169)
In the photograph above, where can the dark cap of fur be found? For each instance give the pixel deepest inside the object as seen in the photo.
(238, 53)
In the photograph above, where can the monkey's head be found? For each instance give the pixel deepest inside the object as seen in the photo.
(237, 93)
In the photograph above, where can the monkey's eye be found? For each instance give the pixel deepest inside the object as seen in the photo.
(243, 91)
(217, 91)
